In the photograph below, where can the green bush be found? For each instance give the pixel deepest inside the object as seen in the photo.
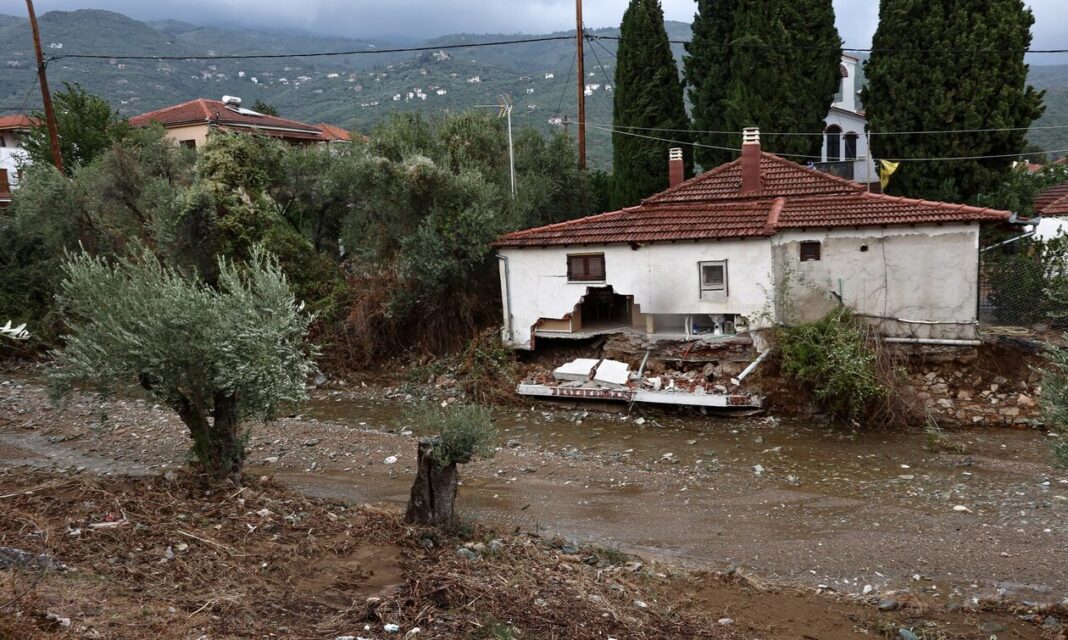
(1054, 400)
(465, 432)
(835, 360)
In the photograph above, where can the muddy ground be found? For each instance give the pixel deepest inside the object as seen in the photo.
(878, 516)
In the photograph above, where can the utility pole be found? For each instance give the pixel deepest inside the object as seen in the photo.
(46, 97)
(505, 102)
(579, 41)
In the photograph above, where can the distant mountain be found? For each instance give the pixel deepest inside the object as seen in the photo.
(355, 91)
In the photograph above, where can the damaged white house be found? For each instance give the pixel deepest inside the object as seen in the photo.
(734, 248)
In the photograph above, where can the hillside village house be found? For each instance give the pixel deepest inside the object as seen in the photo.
(12, 128)
(845, 142)
(722, 252)
(189, 123)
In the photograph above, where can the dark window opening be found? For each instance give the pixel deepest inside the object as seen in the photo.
(5, 186)
(714, 276)
(587, 267)
(188, 144)
(834, 143)
(851, 146)
(810, 251)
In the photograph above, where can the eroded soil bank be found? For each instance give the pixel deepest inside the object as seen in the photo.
(793, 503)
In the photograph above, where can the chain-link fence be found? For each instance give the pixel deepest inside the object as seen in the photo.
(1024, 283)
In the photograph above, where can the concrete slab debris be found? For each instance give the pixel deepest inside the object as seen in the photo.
(580, 370)
(612, 373)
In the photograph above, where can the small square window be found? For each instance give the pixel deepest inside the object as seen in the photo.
(810, 251)
(713, 276)
(587, 267)
(188, 144)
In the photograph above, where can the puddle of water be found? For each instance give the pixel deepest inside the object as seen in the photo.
(790, 452)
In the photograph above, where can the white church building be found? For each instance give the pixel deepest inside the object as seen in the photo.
(845, 150)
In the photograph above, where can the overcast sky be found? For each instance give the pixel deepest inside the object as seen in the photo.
(388, 19)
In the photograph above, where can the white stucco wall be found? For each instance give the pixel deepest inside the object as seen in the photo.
(663, 278)
(10, 157)
(924, 274)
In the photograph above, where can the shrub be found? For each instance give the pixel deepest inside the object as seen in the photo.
(465, 432)
(218, 357)
(834, 359)
(1054, 400)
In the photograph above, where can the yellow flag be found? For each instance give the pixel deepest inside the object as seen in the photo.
(886, 169)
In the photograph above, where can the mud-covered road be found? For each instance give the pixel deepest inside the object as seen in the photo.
(791, 502)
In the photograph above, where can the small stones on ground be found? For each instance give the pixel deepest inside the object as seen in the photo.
(905, 634)
(640, 604)
(889, 604)
(389, 627)
(270, 460)
(867, 589)
(758, 469)
(1052, 623)
(414, 631)
(390, 460)
(61, 621)
(961, 509)
(467, 554)
(726, 621)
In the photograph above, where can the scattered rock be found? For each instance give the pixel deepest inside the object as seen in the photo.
(905, 634)
(389, 627)
(961, 509)
(11, 558)
(467, 554)
(889, 604)
(390, 460)
(271, 460)
(1051, 623)
(726, 621)
(63, 622)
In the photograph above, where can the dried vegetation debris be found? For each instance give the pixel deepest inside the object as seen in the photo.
(152, 557)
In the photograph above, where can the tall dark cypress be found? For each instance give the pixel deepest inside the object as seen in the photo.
(772, 64)
(648, 96)
(707, 68)
(949, 65)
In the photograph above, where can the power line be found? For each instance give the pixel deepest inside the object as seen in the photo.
(819, 158)
(596, 57)
(316, 54)
(821, 133)
(738, 45)
(566, 82)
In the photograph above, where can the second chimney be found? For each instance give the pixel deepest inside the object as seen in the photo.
(676, 169)
(751, 180)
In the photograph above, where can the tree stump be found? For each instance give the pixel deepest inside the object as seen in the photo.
(434, 490)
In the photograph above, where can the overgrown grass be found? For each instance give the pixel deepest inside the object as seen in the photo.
(1054, 399)
(842, 363)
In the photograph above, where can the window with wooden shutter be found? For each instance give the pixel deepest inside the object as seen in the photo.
(810, 250)
(5, 187)
(585, 267)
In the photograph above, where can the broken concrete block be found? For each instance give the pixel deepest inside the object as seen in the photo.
(612, 373)
(577, 370)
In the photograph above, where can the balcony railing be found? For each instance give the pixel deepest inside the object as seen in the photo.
(841, 169)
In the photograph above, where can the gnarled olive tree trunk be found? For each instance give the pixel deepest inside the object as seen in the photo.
(217, 442)
(434, 490)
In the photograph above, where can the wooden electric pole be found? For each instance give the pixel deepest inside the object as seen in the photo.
(579, 40)
(46, 97)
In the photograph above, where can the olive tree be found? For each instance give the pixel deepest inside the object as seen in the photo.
(466, 433)
(218, 356)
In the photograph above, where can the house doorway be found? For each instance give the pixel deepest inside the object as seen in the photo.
(603, 307)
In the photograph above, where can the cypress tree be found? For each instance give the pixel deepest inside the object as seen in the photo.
(766, 63)
(949, 65)
(648, 95)
(707, 68)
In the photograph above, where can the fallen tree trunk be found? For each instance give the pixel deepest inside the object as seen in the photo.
(434, 490)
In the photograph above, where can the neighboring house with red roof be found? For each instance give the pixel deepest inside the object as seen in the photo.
(190, 123)
(12, 129)
(334, 133)
(707, 256)
(1052, 207)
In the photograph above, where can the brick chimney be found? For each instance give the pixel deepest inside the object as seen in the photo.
(751, 180)
(676, 169)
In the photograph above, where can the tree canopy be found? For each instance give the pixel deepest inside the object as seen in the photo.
(950, 65)
(647, 95)
(86, 124)
(770, 64)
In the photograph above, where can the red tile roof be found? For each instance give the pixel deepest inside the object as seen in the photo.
(710, 206)
(17, 121)
(334, 133)
(1053, 201)
(215, 112)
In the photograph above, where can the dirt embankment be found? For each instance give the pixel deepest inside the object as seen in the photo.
(160, 557)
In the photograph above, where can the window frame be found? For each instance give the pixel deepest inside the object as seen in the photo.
(809, 244)
(703, 288)
(571, 275)
(832, 136)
